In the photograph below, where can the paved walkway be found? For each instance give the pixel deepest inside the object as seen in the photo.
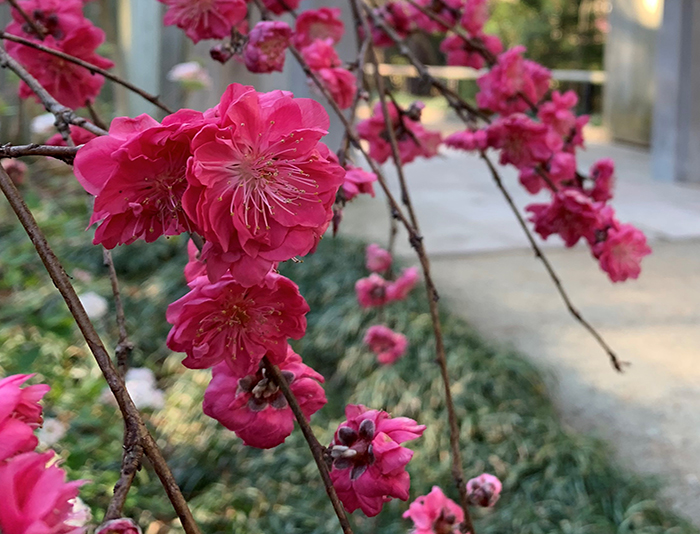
(651, 413)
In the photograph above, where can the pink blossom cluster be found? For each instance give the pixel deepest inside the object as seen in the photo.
(212, 19)
(65, 29)
(317, 32)
(35, 495)
(412, 138)
(369, 463)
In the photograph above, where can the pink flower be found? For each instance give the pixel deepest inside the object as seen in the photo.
(398, 15)
(502, 89)
(402, 286)
(377, 260)
(70, 84)
(388, 345)
(371, 291)
(434, 513)
(522, 141)
(557, 113)
(15, 169)
(20, 415)
(460, 52)
(204, 19)
(80, 136)
(560, 170)
(36, 497)
(138, 176)
(253, 407)
(324, 23)
(261, 185)
(194, 268)
(621, 253)
(469, 140)
(571, 214)
(267, 45)
(280, 6)
(321, 54)
(358, 181)
(413, 140)
(225, 321)
(474, 16)
(603, 176)
(119, 526)
(57, 17)
(484, 490)
(341, 84)
(369, 464)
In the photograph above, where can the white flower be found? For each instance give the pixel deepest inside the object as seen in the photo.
(141, 385)
(43, 124)
(80, 515)
(95, 305)
(51, 432)
(191, 74)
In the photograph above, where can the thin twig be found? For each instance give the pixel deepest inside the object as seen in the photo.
(64, 116)
(114, 381)
(131, 463)
(124, 346)
(614, 360)
(316, 448)
(64, 153)
(153, 99)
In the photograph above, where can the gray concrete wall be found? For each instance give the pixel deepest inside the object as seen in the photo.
(629, 64)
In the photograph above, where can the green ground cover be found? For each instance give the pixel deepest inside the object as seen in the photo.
(554, 482)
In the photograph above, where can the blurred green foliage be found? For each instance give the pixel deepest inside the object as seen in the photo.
(554, 481)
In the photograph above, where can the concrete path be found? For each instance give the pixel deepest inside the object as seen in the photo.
(485, 272)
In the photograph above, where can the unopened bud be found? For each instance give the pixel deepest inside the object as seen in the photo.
(484, 490)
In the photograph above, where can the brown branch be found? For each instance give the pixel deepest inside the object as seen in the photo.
(36, 28)
(614, 360)
(317, 450)
(64, 153)
(64, 116)
(476, 44)
(153, 99)
(114, 381)
(124, 346)
(131, 463)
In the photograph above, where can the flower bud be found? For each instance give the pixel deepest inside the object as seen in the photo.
(484, 490)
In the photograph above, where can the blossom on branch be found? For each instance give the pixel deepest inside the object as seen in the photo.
(622, 251)
(227, 322)
(435, 513)
(484, 490)
(462, 53)
(358, 181)
(280, 6)
(318, 24)
(388, 345)
(122, 525)
(210, 19)
(20, 415)
(267, 45)
(522, 141)
(371, 291)
(377, 259)
(369, 463)
(253, 406)
(412, 138)
(512, 84)
(261, 185)
(402, 286)
(323, 60)
(36, 497)
(571, 214)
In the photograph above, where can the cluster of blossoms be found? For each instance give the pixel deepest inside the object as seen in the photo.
(534, 129)
(36, 496)
(62, 27)
(376, 291)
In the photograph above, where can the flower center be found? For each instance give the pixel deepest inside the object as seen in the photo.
(354, 449)
(263, 391)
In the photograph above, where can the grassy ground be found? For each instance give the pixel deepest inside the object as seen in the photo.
(554, 482)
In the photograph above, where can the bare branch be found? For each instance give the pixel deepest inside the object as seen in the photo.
(317, 450)
(64, 153)
(64, 116)
(131, 463)
(114, 381)
(124, 346)
(153, 99)
(614, 360)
